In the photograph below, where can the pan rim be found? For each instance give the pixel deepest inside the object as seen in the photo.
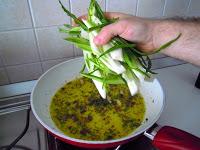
(63, 136)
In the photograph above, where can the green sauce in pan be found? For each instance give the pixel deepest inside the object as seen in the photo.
(78, 110)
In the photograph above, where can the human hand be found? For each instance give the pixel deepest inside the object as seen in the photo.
(131, 28)
(150, 34)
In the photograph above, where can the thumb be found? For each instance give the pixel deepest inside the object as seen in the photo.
(108, 32)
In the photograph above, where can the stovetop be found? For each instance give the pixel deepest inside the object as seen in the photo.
(178, 83)
(141, 143)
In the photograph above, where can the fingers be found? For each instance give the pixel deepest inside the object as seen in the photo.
(83, 17)
(80, 18)
(107, 33)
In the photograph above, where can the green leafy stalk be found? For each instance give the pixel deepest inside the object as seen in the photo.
(80, 43)
(63, 30)
(109, 80)
(142, 72)
(130, 59)
(68, 26)
(70, 32)
(84, 47)
(166, 45)
(99, 65)
(117, 47)
(83, 68)
(92, 77)
(98, 27)
(95, 10)
(90, 73)
(78, 40)
(76, 20)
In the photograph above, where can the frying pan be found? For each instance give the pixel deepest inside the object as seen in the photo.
(60, 74)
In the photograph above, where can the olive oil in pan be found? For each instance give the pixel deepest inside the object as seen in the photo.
(78, 111)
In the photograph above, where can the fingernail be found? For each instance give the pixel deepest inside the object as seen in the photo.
(97, 40)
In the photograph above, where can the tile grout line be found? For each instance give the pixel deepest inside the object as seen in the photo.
(39, 61)
(31, 13)
(106, 5)
(68, 58)
(21, 29)
(137, 8)
(5, 69)
(7, 75)
(37, 49)
(167, 57)
(18, 82)
(164, 8)
(38, 139)
(20, 64)
(170, 66)
(64, 58)
(70, 8)
(35, 36)
(188, 7)
(17, 29)
(159, 57)
(166, 66)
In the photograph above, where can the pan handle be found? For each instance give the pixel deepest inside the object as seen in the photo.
(170, 138)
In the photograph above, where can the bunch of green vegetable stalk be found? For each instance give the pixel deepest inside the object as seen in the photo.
(117, 62)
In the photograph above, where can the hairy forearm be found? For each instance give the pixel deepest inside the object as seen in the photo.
(187, 47)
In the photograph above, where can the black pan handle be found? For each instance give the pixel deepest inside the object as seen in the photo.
(197, 83)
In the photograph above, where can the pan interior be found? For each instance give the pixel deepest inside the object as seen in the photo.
(60, 74)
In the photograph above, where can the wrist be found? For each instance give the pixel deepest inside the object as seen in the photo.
(164, 31)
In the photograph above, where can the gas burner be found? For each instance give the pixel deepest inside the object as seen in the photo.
(141, 143)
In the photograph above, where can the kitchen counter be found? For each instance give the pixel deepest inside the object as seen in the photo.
(182, 109)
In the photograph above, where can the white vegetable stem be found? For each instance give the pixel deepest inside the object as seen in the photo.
(132, 85)
(84, 34)
(116, 54)
(98, 84)
(113, 65)
(140, 76)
